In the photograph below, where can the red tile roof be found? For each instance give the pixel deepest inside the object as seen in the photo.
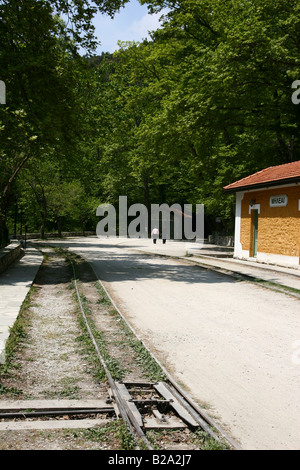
(280, 174)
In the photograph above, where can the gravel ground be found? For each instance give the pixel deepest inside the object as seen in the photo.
(51, 362)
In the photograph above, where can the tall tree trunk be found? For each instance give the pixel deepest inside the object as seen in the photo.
(5, 200)
(59, 227)
(42, 230)
(4, 235)
(43, 224)
(147, 203)
(4, 239)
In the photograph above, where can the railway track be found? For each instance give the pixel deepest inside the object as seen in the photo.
(142, 405)
(148, 405)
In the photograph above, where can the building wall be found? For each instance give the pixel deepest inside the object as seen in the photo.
(278, 227)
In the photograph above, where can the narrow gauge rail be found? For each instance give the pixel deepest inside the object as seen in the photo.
(192, 415)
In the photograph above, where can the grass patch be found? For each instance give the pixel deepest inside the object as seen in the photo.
(15, 343)
(69, 392)
(115, 434)
(10, 391)
(104, 299)
(200, 439)
(205, 442)
(112, 364)
(142, 356)
(18, 333)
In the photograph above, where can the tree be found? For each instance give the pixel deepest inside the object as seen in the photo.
(230, 100)
(40, 65)
(207, 101)
(49, 199)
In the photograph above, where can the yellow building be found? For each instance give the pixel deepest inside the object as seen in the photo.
(267, 221)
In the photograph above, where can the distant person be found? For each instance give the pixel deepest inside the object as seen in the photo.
(155, 235)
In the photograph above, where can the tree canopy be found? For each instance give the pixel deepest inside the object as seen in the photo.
(205, 101)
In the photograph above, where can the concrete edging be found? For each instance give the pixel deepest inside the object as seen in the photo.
(9, 254)
(15, 284)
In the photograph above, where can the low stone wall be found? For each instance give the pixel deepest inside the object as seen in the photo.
(31, 236)
(9, 254)
(221, 240)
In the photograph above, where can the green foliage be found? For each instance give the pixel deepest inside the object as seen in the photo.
(205, 102)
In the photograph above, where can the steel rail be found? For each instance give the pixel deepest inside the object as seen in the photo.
(40, 413)
(126, 414)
